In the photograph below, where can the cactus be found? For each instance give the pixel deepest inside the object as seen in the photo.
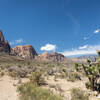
(92, 71)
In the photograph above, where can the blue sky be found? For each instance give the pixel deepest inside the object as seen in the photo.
(71, 27)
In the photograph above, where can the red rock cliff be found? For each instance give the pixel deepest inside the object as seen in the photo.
(26, 51)
(56, 57)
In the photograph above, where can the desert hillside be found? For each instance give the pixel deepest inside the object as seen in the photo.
(27, 75)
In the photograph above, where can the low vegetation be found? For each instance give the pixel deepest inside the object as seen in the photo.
(30, 92)
(79, 94)
(37, 78)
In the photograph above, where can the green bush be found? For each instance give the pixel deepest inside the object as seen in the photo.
(88, 85)
(79, 94)
(37, 78)
(30, 92)
(73, 76)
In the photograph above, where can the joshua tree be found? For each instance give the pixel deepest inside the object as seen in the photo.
(92, 71)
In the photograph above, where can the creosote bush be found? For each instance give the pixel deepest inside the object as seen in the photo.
(73, 76)
(30, 92)
(37, 78)
(79, 94)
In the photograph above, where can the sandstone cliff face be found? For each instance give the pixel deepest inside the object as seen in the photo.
(55, 57)
(26, 51)
(4, 45)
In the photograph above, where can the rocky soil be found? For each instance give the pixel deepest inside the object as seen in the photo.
(63, 87)
(8, 87)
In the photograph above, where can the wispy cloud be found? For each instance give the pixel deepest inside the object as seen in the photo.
(88, 37)
(16, 42)
(82, 50)
(97, 31)
(70, 16)
(48, 47)
(74, 21)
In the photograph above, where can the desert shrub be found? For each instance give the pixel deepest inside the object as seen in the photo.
(15, 70)
(37, 78)
(30, 92)
(13, 74)
(55, 77)
(76, 66)
(88, 85)
(61, 75)
(2, 73)
(79, 94)
(21, 71)
(2, 67)
(64, 72)
(50, 65)
(73, 76)
(50, 72)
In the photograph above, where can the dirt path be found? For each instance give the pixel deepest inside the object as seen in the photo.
(7, 89)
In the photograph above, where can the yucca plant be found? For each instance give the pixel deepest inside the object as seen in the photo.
(92, 71)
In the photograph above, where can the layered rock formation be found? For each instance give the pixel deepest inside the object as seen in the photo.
(55, 57)
(4, 45)
(26, 51)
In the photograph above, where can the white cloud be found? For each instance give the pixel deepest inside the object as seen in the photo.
(89, 49)
(83, 47)
(18, 41)
(48, 47)
(97, 31)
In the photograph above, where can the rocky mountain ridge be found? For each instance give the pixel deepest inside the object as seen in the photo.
(85, 57)
(28, 52)
(55, 57)
(4, 45)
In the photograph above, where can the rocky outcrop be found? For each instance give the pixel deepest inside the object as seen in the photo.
(4, 45)
(26, 51)
(55, 57)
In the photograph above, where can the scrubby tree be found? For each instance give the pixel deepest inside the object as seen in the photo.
(92, 71)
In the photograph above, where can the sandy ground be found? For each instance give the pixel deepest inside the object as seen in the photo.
(8, 88)
(65, 86)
